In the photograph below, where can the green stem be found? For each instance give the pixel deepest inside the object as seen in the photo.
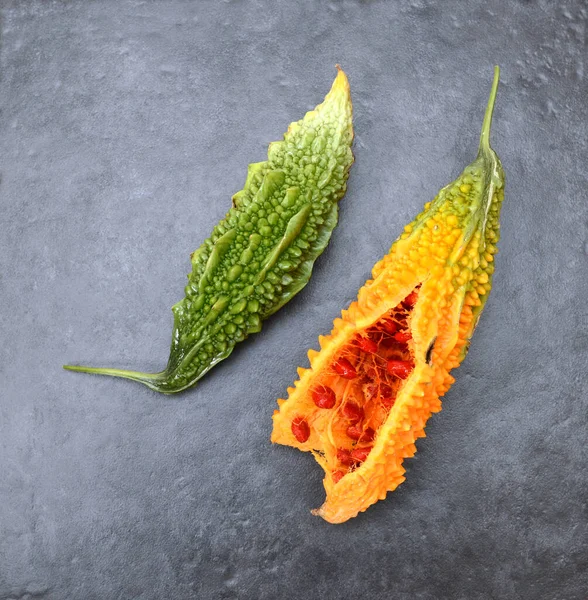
(149, 379)
(485, 135)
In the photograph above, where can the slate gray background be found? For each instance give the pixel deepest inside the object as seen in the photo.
(125, 128)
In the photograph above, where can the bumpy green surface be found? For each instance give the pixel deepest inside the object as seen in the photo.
(261, 254)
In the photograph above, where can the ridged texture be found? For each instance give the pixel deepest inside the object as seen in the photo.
(446, 254)
(262, 253)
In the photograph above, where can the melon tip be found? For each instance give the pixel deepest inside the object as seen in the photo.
(319, 512)
(341, 83)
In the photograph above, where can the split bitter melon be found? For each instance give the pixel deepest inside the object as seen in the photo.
(378, 376)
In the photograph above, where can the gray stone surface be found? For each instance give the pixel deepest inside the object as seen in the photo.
(125, 128)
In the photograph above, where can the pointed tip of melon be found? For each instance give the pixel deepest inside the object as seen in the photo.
(341, 83)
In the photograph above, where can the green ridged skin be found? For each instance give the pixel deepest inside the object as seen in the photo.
(262, 253)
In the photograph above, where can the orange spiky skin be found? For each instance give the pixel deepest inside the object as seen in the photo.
(448, 250)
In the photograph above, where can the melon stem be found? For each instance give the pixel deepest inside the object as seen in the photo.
(149, 379)
(485, 135)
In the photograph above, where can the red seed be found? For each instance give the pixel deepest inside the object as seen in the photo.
(399, 368)
(403, 336)
(360, 454)
(368, 435)
(345, 369)
(344, 457)
(354, 432)
(300, 429)
(386, 391)
(337, 476)
(367, 345)
(324, 397)
(411, 299)
(353, 412)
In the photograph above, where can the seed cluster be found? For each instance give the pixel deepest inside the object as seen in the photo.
(360, 387)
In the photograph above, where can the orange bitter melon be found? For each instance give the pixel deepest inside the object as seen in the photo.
(378, 376)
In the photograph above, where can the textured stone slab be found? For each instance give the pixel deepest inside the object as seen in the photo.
(125, 127)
